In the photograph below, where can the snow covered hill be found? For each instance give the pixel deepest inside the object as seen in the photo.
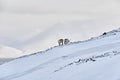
(22, 21)
(8, 53)
(75, 30)
(94, 59)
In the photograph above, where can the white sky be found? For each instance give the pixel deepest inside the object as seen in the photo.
(38, 24)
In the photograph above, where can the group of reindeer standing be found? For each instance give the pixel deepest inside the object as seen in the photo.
(63, 41)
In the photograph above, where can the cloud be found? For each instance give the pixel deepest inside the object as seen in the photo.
(61, 6)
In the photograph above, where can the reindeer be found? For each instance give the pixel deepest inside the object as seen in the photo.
(104, 33)
(66, 41)
(60, 42)
(63, 41)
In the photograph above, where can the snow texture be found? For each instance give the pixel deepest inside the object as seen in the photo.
(94, 59)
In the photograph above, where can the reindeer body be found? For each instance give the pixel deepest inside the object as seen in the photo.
(63, 42)
(60, 42)
(66, 41)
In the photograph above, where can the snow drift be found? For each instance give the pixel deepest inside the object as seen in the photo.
(94, 59)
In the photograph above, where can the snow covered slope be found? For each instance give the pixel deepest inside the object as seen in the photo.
(8, 52)
(94, 59)
(74, 30)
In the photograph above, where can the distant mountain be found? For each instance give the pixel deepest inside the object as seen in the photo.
(94, 59)
(8, 53)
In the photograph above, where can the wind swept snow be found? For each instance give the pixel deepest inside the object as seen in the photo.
(94, 59)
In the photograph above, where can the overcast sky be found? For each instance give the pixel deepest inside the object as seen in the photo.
(38, 24)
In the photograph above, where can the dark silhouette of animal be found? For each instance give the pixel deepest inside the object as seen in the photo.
(104, 33)
(63, 41)
(66, 41)
(60, 42)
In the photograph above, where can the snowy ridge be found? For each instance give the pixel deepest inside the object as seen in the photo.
(110, 33)
(8, 52)
(107, 34)
(92, 59)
